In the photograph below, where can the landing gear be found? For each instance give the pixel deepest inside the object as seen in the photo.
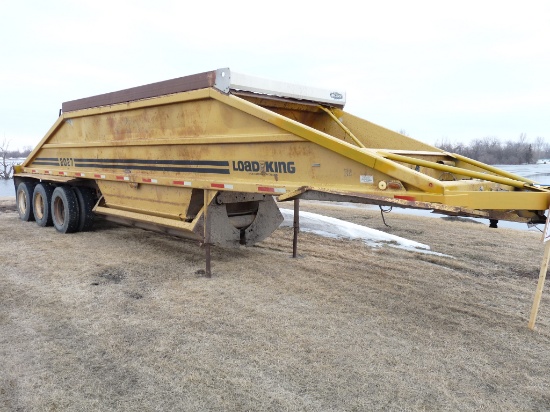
(493, 223)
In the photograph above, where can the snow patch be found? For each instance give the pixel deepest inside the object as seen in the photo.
(335, 228)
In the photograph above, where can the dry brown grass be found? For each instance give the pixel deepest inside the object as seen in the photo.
(120, 319)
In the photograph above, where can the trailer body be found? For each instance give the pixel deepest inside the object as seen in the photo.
(206, 157)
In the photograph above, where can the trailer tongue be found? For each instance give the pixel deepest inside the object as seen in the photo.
(204, 156)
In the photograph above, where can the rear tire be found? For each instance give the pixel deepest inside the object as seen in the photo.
(65, 210)
(86, 201)
(41, 204)
(24, 201)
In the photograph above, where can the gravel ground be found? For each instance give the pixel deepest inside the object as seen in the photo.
(122, 319)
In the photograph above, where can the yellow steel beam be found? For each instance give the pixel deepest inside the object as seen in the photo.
(456, 170)
(58, 123)
(368, 157)
(518, 200)
(344, 128)
(183, 140)
(147, 217)
(490, 168)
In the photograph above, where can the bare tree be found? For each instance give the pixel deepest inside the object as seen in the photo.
(6, 167)
(539, 147)
(492, 151)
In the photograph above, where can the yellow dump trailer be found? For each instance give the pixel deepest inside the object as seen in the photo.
(205, 156)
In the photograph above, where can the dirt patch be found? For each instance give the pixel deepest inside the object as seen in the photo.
(7, 204)
(460, 219)
(112, 275)
(122, 319)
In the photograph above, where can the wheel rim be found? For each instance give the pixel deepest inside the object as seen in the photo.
(38, 206)
(59, 211)
(22, 202)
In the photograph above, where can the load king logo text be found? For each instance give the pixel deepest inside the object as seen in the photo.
(263, 167)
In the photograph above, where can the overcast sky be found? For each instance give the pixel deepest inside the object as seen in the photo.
(437, 69)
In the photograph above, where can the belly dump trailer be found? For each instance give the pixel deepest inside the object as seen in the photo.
(205, 156)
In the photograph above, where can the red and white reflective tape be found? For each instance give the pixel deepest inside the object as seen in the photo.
(99, 176)
(181, 183)
(221, 186)
(147, 180)
(408, 198)
(78, 174)
(271, 189)
(125, 178)
(34, 171)
(47, 172)
(63, 173)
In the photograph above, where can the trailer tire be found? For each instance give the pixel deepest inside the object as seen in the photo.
(64, 210)
(24, 201)
(41, 204)
(86, 201)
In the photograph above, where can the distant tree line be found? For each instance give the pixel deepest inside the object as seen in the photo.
(491, 150)
(19, 153)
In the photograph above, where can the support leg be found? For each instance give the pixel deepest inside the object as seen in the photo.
(540, 286)
(296, 227)
(206, 238)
